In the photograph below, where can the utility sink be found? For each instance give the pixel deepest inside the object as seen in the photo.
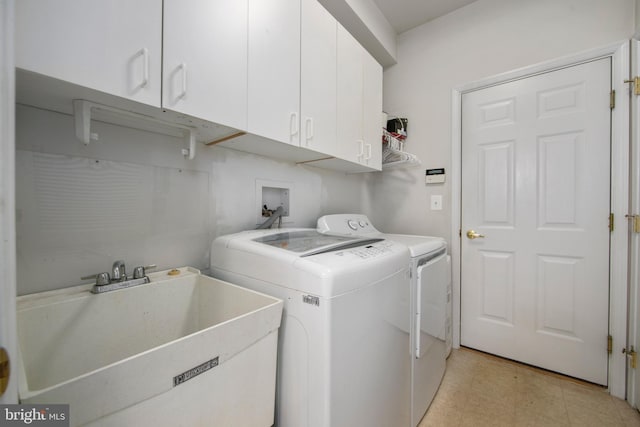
(181, 335)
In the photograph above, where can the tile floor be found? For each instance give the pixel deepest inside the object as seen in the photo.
(483, 390)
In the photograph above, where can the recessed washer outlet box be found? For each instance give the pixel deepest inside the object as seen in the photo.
(273, 194)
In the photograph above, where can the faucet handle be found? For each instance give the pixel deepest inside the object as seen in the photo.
(140, 272)
(101, 278)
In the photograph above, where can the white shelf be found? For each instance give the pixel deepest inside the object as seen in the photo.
(393, 154)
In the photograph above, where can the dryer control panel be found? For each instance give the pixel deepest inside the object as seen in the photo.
(346, 225)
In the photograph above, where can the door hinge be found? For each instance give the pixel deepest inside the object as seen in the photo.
(460, 232)
(636, 84)
(611, 222)
(632, 355)
(612, 99)
(609, 344)
(635, 222)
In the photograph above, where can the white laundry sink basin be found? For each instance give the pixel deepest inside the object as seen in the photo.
(107, 352)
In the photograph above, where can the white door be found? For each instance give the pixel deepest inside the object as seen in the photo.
(205, 59)
(633, 389)
(535, 191)
(7, 206)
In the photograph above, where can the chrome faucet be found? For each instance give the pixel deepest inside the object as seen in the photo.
(118, 272)
(118, 278)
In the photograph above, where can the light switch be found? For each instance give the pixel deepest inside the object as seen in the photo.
(436, 202)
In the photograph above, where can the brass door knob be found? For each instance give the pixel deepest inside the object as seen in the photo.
(473, 235)
(5, 370)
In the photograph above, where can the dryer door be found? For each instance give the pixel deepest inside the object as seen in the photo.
(431, 298)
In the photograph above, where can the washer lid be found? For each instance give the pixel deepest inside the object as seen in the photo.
(310, 242)
(418, 245)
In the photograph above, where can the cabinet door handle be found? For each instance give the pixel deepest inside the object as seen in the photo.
(360, 149)
(293, 124)
(369, 152)
(183, 93)
(145, 67)
(308, 124)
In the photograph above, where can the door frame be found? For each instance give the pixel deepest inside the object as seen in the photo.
(633, 375)
(619, 54)
(7, 198)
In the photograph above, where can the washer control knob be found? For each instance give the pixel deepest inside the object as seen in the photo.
(352, 224)
(362, 224)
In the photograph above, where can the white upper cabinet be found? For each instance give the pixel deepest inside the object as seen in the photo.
(372, 111)
(350, 98)
(205, 59)
(274, 70)
(359, 107)
(318, 78)
(284, 70)
(111, 46)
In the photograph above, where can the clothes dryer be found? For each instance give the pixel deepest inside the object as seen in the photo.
(430, 306)
(344, 337)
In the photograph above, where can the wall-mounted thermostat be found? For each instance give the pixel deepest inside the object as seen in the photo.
(434, 176)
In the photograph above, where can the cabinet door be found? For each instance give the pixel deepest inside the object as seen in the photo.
(274, 69)
(112, 46)
(318, 78)
(371, 125)
(350, 97)
(205, 59)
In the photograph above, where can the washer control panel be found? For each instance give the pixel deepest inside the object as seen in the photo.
(371, 251)
(346, 225)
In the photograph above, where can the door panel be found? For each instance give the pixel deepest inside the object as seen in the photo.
(497, 287)
(497, 188)
(535, 190)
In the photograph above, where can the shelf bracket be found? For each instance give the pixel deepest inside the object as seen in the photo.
(82, 115)
(83, 111)
(190, 153)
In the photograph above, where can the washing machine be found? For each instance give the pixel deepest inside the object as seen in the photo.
(430, 306)
(344, 338)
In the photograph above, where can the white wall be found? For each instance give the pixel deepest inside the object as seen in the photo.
(132, 196)
(483, 39)
(364, 20)
(637, 17)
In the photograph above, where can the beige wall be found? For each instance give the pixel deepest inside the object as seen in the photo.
(484, 39)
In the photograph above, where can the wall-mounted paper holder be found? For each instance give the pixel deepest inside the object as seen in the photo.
(83, 111)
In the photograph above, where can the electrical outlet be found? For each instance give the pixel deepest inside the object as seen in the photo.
(436, 202)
